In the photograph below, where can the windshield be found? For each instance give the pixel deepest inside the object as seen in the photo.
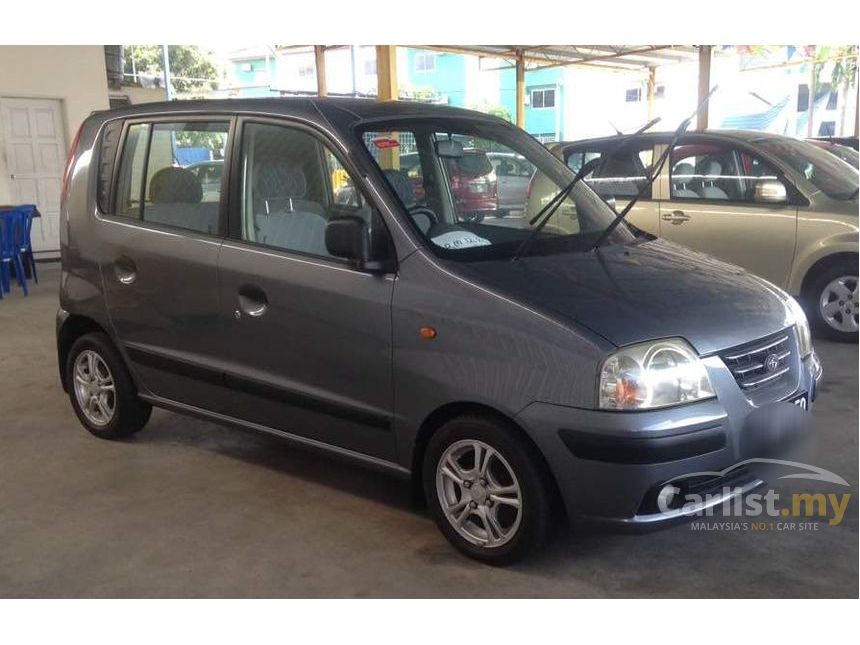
(823, 170)
(454, 178)
(846, 154)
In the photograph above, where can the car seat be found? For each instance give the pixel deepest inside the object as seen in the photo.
(709, 189)
(282, 216)
(682, 174)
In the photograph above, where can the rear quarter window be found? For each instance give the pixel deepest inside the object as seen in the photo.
(474, 164)
(107, 159)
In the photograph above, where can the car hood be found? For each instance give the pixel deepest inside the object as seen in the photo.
(643, 291)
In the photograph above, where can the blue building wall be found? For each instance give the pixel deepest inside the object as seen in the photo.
(255, 75)
(539, 121)
(447, 78)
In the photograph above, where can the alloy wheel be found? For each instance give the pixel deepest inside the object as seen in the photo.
(838, 304)
(94, 388)
(479, 493)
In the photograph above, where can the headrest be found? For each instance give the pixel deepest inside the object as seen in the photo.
(402, 185)
(713, 168)
(174, 184)
(620, 165)
(279, 179)
(684, 170)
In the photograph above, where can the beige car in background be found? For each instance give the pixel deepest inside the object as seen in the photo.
(775, 205)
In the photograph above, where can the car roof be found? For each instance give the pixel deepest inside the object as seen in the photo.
(746, 136)
(360, 109)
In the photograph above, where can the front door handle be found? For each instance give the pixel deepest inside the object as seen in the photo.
(676, 217)
(252, 301)
(125, 270)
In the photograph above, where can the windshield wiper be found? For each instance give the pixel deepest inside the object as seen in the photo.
(547, 211)
(656, 170)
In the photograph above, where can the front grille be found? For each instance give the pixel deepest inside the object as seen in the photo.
(762, 363)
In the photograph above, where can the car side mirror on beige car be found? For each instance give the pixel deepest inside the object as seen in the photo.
(770, 191)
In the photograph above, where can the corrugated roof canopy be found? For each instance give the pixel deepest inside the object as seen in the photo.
(627, 57)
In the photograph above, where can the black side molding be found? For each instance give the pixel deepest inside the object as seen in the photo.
(256, 388)
(645, 450)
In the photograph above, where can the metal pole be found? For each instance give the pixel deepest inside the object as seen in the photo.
(165, 64)
(810, 104)
(652, 90)
(856, 106)
(386, 72)
(704, 85)
(352, 69)
(319, 60)
(521, 89)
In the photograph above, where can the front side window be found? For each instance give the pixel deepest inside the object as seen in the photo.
(170, 174)
(716, 171)
(445, 174)
(820, 168)
(291, 186)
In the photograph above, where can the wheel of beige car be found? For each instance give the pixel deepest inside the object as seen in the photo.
(487, 490)
(101, 390)
(833, 304)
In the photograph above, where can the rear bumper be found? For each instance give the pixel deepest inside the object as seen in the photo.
(610, 466)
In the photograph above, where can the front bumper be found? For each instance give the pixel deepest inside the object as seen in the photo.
(609, 466)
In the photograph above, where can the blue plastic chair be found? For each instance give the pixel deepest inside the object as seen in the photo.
(25, 243)
(11, 225)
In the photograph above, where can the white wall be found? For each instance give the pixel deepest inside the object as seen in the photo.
(73, 74)
(137, 95)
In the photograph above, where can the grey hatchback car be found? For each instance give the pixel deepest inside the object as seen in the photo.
(516, 378)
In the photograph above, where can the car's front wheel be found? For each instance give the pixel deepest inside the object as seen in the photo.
(487, 490)
(832, 299)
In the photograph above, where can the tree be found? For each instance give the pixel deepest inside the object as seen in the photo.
(844, 59)
(192, 73)
(495, 110)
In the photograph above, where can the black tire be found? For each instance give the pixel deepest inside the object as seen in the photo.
(815, 291)
(535, 522)
(130, 414)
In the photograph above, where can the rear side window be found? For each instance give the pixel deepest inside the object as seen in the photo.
(473, 163)
(170, 174)
(616, 171)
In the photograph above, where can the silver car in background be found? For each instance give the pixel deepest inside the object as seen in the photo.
(780, 207)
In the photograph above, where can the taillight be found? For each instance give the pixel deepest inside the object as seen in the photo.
(67, 173)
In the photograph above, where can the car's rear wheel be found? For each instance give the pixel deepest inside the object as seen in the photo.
(833, 303)
(487, 490)
(101, 389)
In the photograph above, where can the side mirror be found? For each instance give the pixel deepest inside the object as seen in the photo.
(770, 191)
(347, 237)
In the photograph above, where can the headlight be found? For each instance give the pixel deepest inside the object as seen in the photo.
(801, 324)
(653, 375)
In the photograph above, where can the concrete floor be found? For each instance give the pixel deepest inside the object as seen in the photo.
(188, 508)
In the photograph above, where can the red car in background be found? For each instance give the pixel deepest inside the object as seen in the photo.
(473, 181)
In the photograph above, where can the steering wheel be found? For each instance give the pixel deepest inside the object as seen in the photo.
(423, 212)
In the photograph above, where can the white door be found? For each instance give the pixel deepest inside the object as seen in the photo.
(35, 155)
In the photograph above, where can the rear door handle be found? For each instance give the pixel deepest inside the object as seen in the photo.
(252, 301)
(125, 270)
(676, 217)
